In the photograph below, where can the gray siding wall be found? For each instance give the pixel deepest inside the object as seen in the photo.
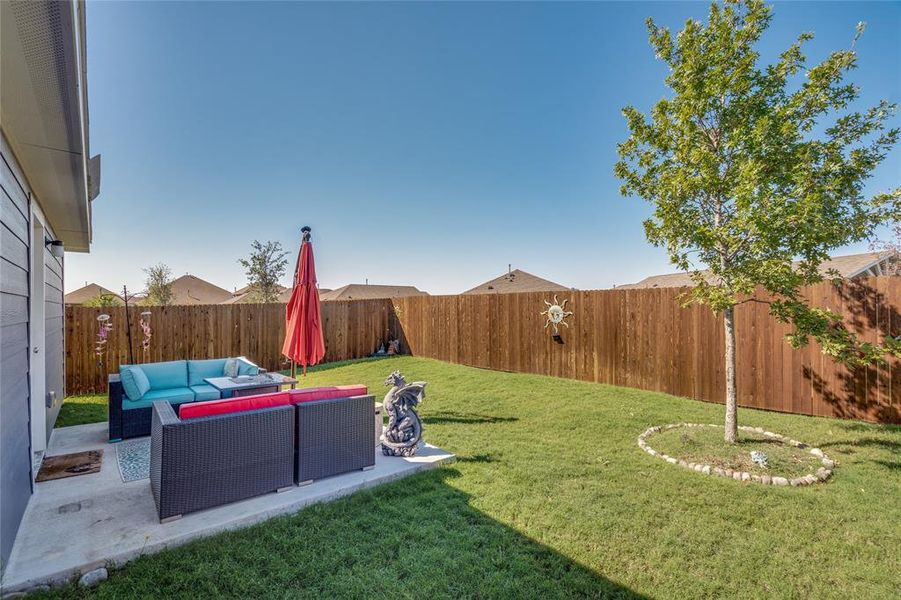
(54, 327)
(15, 428)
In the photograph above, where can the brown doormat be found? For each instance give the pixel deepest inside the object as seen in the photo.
(70, 465)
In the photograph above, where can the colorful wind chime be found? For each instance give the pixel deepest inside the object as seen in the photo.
(105, 325)
(146, 330)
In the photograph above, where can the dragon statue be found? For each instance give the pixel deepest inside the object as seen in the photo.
(403, 435)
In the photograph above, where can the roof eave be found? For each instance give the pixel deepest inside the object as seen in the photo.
(44, 115)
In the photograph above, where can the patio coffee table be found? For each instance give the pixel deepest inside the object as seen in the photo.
(249, 385)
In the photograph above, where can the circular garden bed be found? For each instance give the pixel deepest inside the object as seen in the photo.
(701, 448)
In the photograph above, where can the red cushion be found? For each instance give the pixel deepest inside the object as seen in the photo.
(194, 410)
(327, 393)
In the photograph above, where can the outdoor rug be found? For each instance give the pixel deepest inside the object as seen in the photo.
(133, 457)
(70, 465)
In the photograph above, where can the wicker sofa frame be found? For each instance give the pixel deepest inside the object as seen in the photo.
(124, 424)
(210, 461)
(334, 437)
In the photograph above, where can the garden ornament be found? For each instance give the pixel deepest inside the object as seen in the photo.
(403, 435)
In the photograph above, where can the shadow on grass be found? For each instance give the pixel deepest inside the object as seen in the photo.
(418, 537)
(855, 426)
(866, 442)
(892, 466)
(450, 417)
(881, 447)
(477, 458)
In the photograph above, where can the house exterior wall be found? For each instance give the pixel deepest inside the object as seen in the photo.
(15, 436)
(54, 341)
(46, 189)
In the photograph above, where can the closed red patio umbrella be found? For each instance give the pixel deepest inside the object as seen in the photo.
(304, 344)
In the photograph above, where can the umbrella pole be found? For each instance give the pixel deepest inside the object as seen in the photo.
(293, 370)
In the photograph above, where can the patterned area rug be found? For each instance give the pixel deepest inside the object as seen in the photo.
(133, 457)
(70, 465)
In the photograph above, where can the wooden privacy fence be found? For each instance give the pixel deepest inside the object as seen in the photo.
(352, 329)
(643, 338)
(634, 338)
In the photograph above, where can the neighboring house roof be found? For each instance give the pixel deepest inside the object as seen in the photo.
(243, 295)
(666, 281)
(861, 265)
(88, 292)
(361, 291)
(189, 289)
(847, 267)
(236, 299)
(286, 295)
(516, 281)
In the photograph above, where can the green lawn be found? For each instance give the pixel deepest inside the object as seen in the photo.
(551, 497)
(78, 410)
(706, 445)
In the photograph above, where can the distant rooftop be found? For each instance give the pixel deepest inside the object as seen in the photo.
(242, 295)
(88, 292)
(516, 281)
(360, 291)
(847, 267)
(189, 289)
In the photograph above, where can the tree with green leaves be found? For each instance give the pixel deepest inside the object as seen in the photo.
(158, 285)
(264, 267)
(103, 299)
(891, 246)
(749, 169)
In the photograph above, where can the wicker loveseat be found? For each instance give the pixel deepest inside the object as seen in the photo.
(177, 382)
(218, 452)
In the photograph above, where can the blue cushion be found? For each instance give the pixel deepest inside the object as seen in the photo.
(204, 392)
(172, 395)
(198, 370)
(245, 368)
(166, 375)
(134, 380)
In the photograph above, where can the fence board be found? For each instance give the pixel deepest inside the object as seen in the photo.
(645, 339)
(351, 329)
(634, 338)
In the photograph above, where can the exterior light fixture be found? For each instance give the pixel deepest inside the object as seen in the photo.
(56, 248)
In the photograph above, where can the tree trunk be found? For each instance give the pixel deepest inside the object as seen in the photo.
(731, 399)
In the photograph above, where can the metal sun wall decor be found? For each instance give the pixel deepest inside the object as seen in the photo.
(403, 435)
(556, 314)
(146, 330)
(105, 325)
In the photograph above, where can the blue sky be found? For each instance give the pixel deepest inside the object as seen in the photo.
(426, 144)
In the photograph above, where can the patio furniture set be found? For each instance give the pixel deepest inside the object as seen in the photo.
(211, 446)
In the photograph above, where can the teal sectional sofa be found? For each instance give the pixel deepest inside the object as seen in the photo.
(135, 388)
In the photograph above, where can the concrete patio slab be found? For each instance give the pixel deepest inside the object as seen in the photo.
(74, 525)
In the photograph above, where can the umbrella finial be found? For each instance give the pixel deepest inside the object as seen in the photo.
(305, 230)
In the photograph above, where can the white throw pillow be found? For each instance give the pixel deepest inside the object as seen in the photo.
(231, 367)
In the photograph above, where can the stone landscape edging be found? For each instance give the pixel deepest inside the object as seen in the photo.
(821, 475)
